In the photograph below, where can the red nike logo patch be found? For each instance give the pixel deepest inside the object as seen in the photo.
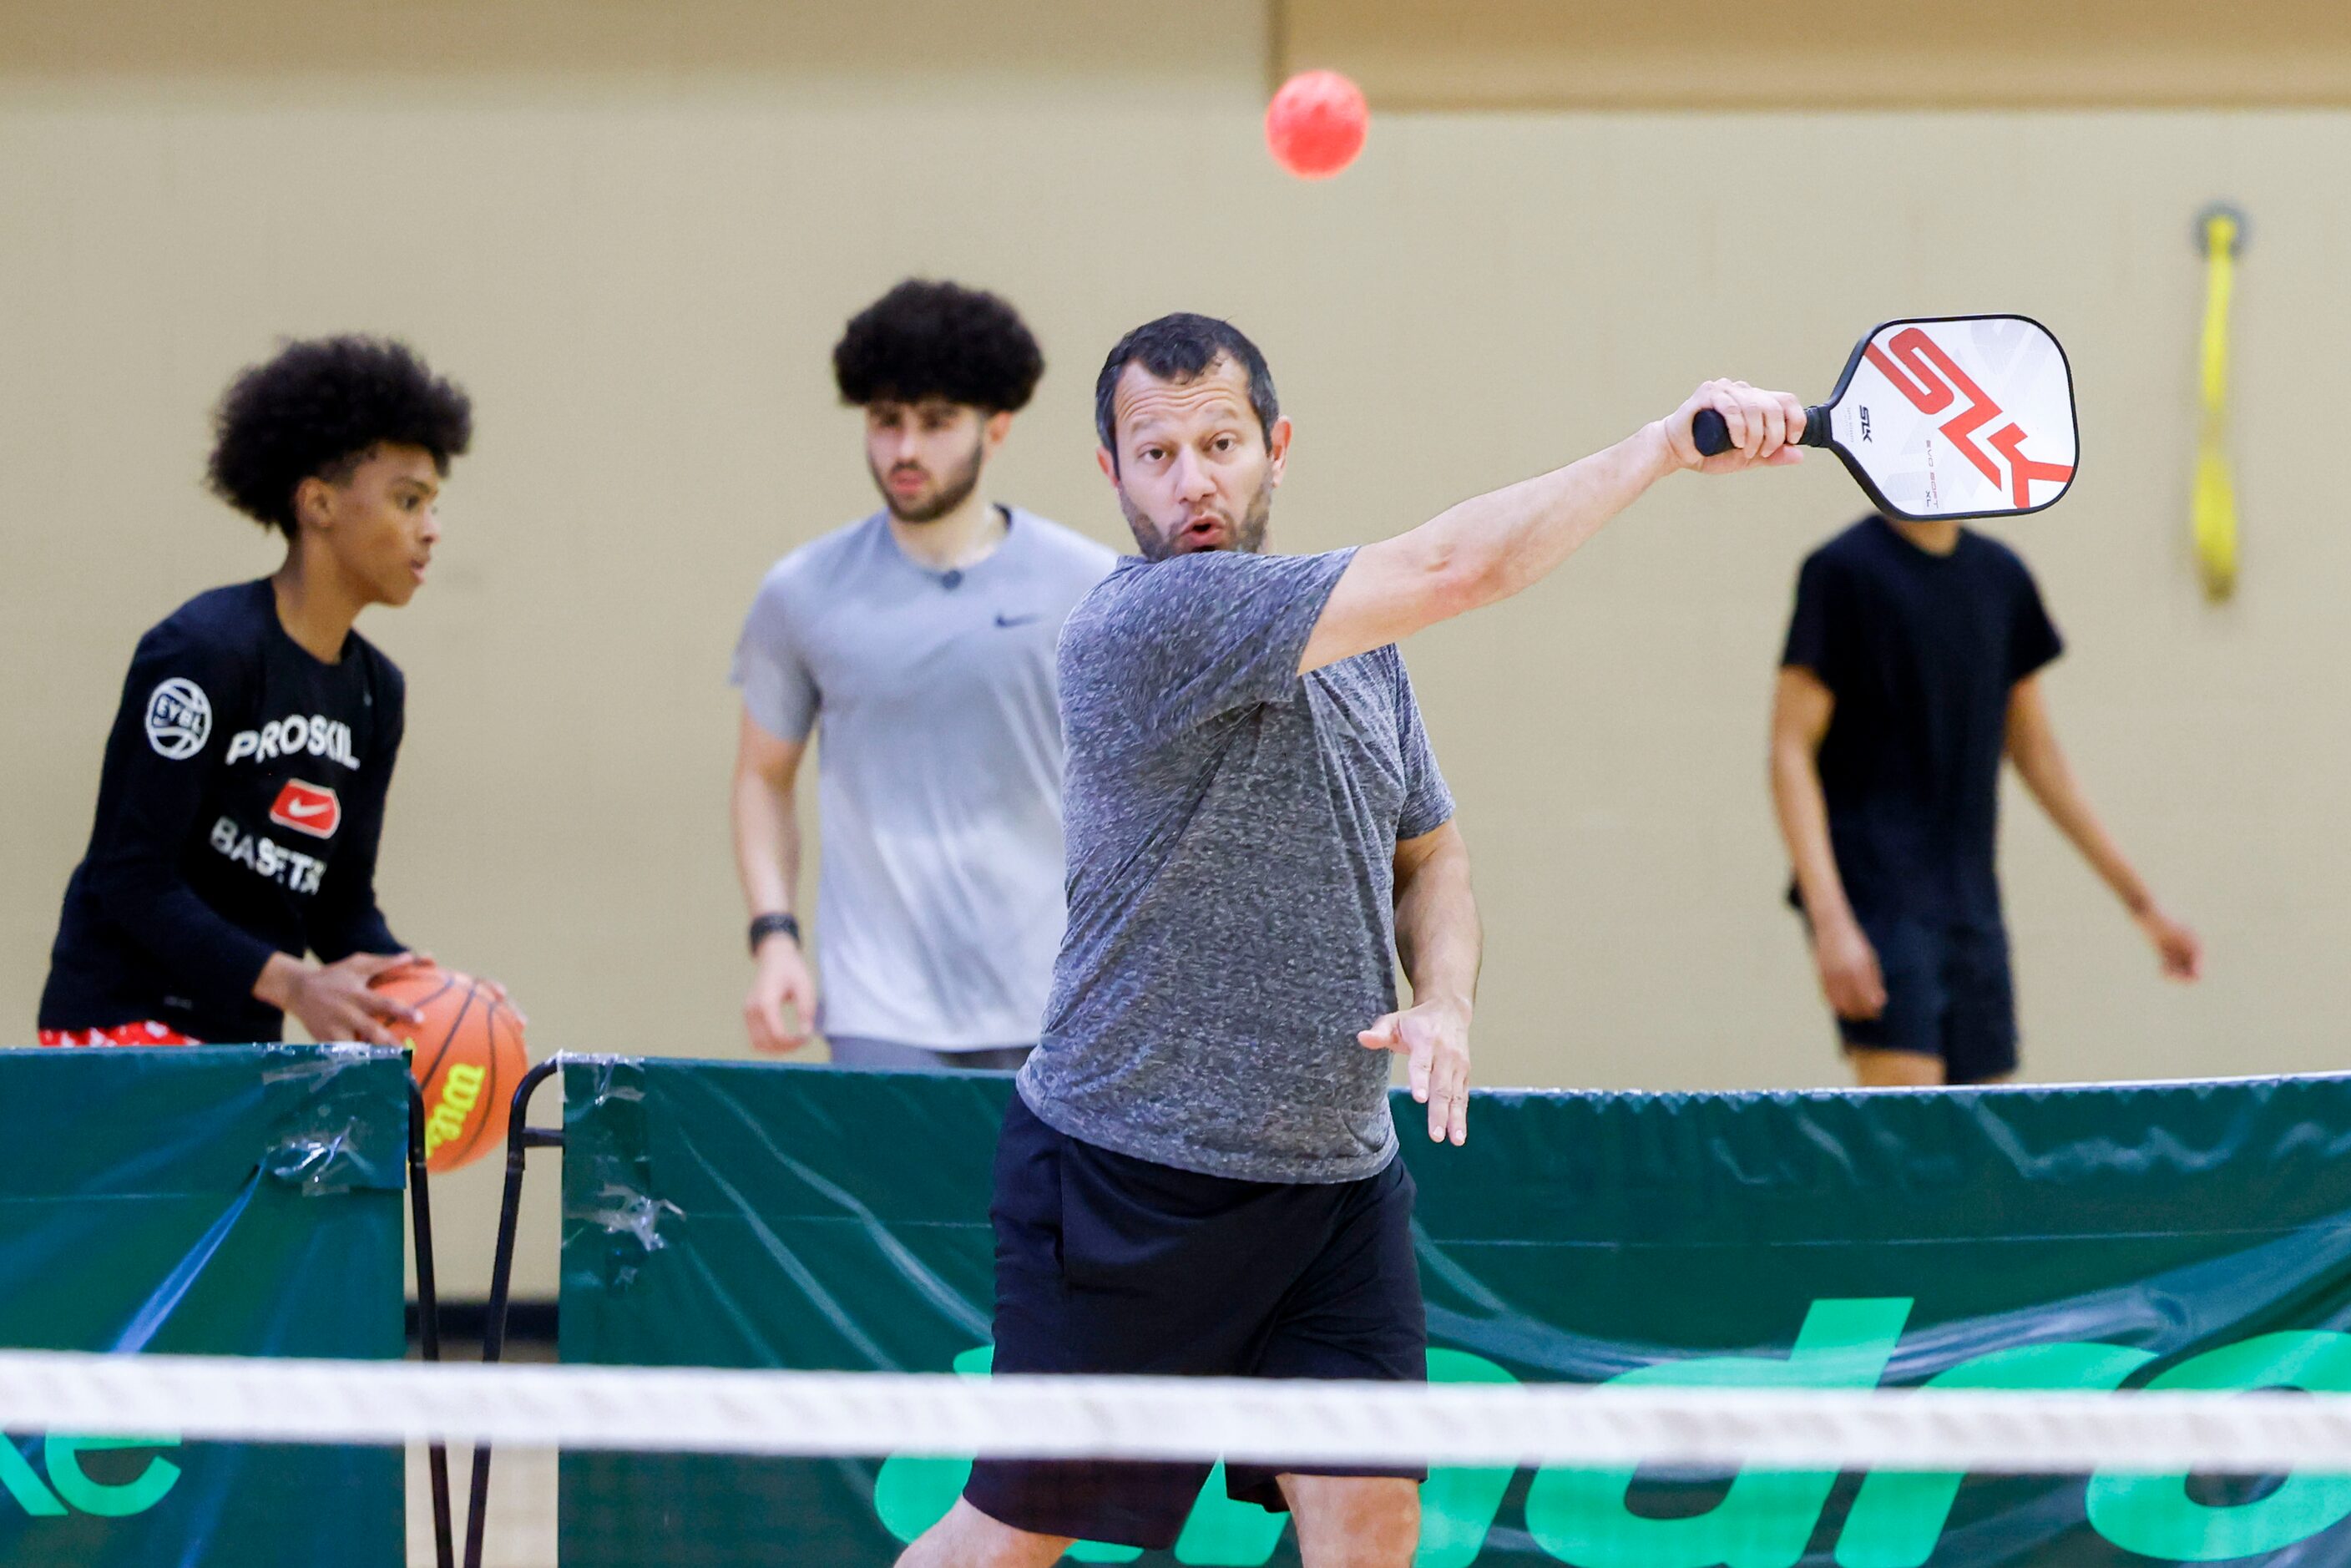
(309, 809)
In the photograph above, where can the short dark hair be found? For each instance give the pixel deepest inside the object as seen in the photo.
(1177, 347)
(938, 339)
(316, 408)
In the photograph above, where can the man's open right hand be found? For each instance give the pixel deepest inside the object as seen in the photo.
(782, 1004)
(1849, 978)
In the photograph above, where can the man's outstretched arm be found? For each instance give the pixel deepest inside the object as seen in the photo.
(1438, 938)
(2041, 763)
(1490, 547)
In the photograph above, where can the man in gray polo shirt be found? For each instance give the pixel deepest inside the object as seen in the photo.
(920, 642)
(1199, 1175)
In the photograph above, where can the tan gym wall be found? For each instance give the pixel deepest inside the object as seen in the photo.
(634, 228)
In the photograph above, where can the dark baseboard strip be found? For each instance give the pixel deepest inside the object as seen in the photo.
(529, 1322)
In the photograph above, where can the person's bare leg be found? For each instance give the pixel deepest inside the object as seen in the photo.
(1877, 1069)
(1353, 1522)
(967, 1538)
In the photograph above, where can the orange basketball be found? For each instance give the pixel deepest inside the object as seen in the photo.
(468, 1055)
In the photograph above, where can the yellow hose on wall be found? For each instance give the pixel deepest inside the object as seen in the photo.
(2213, 505)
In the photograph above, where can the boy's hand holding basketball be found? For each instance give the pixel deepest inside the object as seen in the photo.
(332, 1001)
(782, 981)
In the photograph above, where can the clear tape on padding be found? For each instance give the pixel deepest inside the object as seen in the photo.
(809, 1413)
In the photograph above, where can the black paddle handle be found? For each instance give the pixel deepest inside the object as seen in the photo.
(1711, 436)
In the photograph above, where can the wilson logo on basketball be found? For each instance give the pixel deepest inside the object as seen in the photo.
(461, 1090)
(310, 808)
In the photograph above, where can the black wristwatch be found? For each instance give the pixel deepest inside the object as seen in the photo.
(765, 926)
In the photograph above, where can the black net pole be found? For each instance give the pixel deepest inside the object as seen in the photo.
(521, 1139)
(428, 1315)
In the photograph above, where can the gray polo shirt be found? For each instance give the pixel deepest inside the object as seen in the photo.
(1232, 830)
(938, 772)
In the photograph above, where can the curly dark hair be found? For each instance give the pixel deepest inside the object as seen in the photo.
(938, 339)
(1179, 348)
(317, 409)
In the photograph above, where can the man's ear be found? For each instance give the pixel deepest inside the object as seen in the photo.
(999, 426)
(1107, 464)
(1277, 450)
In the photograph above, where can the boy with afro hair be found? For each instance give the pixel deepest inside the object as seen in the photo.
(921, 639)
(243, 789)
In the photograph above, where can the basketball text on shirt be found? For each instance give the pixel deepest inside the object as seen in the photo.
(266, 857)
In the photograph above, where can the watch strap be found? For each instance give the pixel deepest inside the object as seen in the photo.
(765, 926)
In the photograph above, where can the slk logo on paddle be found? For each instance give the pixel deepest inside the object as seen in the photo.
(1933, 382)
(309, 809)
(1973, 392)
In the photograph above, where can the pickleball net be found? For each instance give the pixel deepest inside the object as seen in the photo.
(2254, 1466)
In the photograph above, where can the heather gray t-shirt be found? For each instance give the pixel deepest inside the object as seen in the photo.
(938, 772)
(1232, 828)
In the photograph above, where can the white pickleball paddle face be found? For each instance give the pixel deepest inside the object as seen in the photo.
(1964, 416)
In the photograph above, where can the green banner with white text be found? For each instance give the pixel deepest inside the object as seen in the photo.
(2182, 1235)
(215, 1201)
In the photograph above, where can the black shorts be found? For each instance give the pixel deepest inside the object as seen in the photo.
(1948, 994)
(1106, 1263)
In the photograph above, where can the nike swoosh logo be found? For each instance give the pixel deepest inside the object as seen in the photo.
(1004, 620)
(305, 807)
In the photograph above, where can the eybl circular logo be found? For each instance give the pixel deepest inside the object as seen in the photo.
(179, 719)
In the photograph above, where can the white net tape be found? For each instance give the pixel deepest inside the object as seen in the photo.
(787, 1413)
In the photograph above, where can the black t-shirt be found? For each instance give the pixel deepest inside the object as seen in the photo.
(1921, 651)
(238, 812)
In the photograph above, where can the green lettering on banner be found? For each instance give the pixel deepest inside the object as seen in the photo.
(103, 1499)
(24, 1485)
(914, 1492)
(2155, 1517)
(1899, 1514)
(1222, 1533)
(1458, 1506)
(1767, 1517)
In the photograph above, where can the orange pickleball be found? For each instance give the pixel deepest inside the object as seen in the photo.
(1316, 123)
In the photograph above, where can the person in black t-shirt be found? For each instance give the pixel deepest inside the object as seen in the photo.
(243, 790)
(1911, 669)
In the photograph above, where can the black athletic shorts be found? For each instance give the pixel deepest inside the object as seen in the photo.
(1948, 994)
(1106, 1263)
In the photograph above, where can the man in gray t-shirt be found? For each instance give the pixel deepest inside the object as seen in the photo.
(920, 643)
(1282, 802)
(1197, 1175)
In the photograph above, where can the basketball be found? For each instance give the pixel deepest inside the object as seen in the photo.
(468, 1055)
(1315, 124)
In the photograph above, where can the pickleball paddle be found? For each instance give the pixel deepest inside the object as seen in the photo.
(1953, 416)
